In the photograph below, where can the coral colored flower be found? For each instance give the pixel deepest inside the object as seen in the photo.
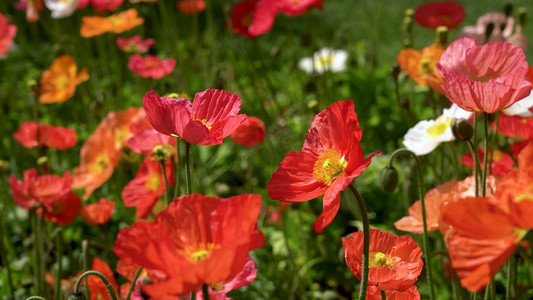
(330, 159)
(191, 7)
(97, 288)
(151, 66)
(32, 8)
(394, 261)
(501, 28)
(106, 5)
(117, 23)
(250, 133)
(212, 116)
(325, 59)
(61, 8)
(207, 236)
(147, 186)
(56, 137)
(427, 135)
(420, 66)
(151, 141)
(120, 123)
(7, 34)
(58, 83)
(515, 126)
(435, 14)
(501, 164)
(485, 78)
(98, 213)
(51, 193)
(135, 44)
(374, 293)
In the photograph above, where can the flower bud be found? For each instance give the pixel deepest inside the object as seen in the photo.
(521, 16)
(441, 37)
(462, 129)
(389, 179)
(76, 296)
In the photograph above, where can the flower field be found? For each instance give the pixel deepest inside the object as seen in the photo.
(266, 149)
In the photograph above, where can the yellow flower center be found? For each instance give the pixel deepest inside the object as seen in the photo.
(62, 82)
(99, 164)
(153, 182)
(329, 165)
(381, 260)
(439, 127)
(204, 121)
(199, 252)
(161, 152)
(323, 62)
(217, 286)
(425, 67)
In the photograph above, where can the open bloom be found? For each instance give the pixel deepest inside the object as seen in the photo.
(420, 66)
(151, 66)
(485, 78)
(212, 116)
(435, 14)
(59, 82)
(325, 59)
(208, 237)
(426, 135)
(98, 213)
(191, 7)
(394, 261)
(7, 34)
(135, 44)
(117, 23)
(61, 8)
(330, 159)
(250, 133)
(56, 137)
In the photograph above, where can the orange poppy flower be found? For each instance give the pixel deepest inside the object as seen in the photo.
(120, 122)
(98, 213)
(394, 261)
(420, 66)
(59, 82)
(117, 23)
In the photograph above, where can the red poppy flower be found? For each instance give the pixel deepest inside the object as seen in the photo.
(501, 164)
(98, 213)
(147, 186)
(97, 288)
(374, 293)
(151, 66)
(212, 116)
(52, 193)
(207, 236)
(435, 14)
(106, 5)
(330, 159)
(485, 78)
(516, 126)
(150, 141)
(191, 7)
(242, 16)
(295, 8)
(394, 261)
(59, 138)
(7, 34)
(250, 133)
(135, 44)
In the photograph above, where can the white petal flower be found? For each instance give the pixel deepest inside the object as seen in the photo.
(425, 136)
(61, 8)
(326, 59)
(521, 107)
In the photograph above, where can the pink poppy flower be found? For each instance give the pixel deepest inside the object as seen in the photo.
(135, 44)
(151, 66)
(485, 78)
(435, 14)
(106, 5)
(7, 34)
(212, 116)
(146, 141)
(502, 28)
(295, 8)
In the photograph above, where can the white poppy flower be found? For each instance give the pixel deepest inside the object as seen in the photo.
(326, 59)
(61, 8)
(426, 135)
(521, 107)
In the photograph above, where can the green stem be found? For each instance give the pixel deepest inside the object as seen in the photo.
(424, 220)
(85, 257)
(37, 252)
(474, 152)
(107, 284)
(35, 298)
(510, 293)
(383, 295)
(178, 169)
(366, 240)
(167, 190)
(57, 292)
(486, 154)
(188, 168)
(133, 282)
(3, 254)
(487, 292)
(205, 291)
(477, 169)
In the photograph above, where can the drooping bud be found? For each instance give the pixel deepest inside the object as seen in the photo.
(389, 179)
(161, 152)
(462, 129)
(521, 14)
(508, 9)
(441, 37)
(76, 296)
(488, 31)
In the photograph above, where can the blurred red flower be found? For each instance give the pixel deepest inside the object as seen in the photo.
(147, 186)
(151, 141)
(295, 8)
(56, 137)
(49, 192)
(485, 78)
(190, 7)
(250, 133)
(330, 159)
(208, 237)
(58, 83)
(374, 293)
(501, 164)
(120, 123)
(212, 116)
(151, 66)
(135, 44)
(435, 14)
(394, 261)
(106, 5)
(515, 126)
(7, 34)
(98, 213)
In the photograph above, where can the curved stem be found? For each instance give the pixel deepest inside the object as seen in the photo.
(424, 220)
(133, 281)
(167, 191)
(107, 284)
(205, 291)
(35, 298)
(366, 240)
(188, 168)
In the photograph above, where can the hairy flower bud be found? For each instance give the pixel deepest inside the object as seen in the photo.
(462, 129)
(389, 179)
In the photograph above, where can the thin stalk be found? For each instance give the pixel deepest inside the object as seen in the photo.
(188, 168)
(477, 169)
(383, 295)
(107, 284)
(3, 254)
(424, 221)
(193, 296)
(133, 281)
(57, 292)
(85, 257)
(487, 295)
(486, 154)
(178, 169)
(474, 153)
(510, 293)
(494, 137)
(167, 190)
(205, 292)
(366, 240)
